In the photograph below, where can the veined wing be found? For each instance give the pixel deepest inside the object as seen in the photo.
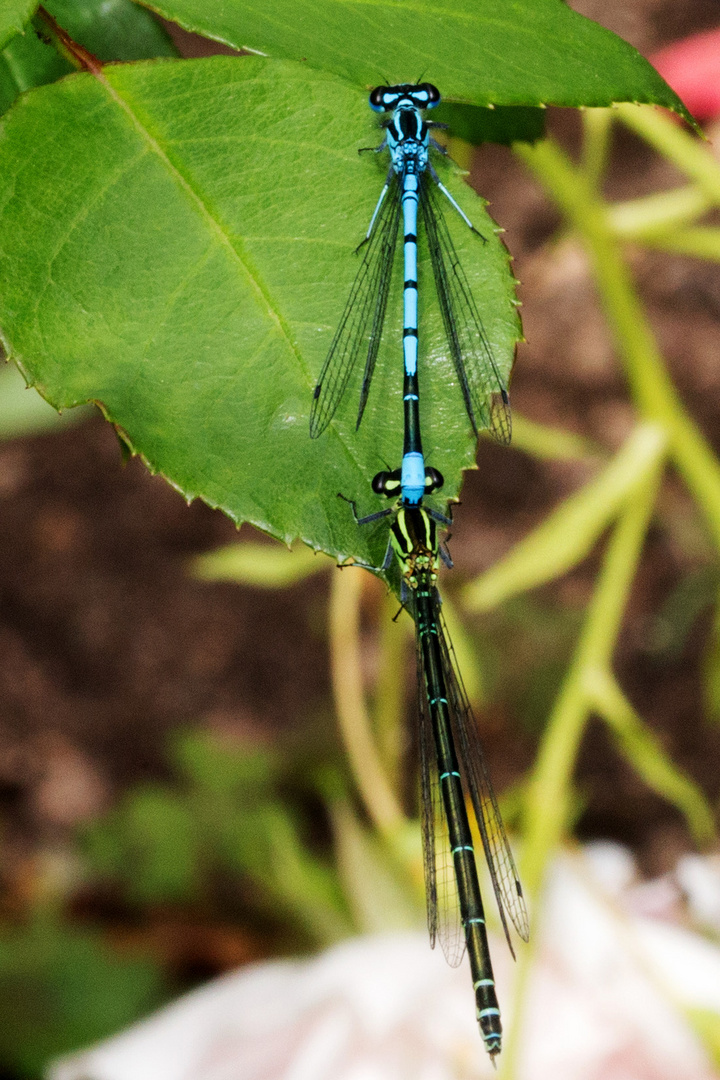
(361, 325)
(503, 872)
(441, 894)
(485, 393)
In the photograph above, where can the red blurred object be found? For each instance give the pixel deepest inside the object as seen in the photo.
(692, 68)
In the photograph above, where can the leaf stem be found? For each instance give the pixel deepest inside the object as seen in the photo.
(75, 54)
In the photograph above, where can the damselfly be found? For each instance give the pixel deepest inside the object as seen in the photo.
(452, 762)
(412, 182)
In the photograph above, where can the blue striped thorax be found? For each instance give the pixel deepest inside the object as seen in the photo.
(407, 133)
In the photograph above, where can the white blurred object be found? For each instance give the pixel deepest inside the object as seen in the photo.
(699, 879)
(377, 1008)
(605, 1002)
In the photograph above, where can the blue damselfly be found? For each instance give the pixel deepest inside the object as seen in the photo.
(411, 184)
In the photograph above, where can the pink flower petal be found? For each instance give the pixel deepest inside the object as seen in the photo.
(692, 68)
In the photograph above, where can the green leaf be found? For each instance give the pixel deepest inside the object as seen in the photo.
(111, 29)
(152, 843)
(504, 124)
(13, 16)
(23, 411)
(180, 249)
(61, 988)
(26, 62)
(220, 768)
(520, 52)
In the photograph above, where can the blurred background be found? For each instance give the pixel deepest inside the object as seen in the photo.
(168, 742)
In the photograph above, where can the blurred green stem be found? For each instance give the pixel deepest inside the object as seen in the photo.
(689, 154)
(548, 799)
(597, 124)
(389, 708)
(355, 726)
(643, 750)
(700, 242)
(651, 386)
(642, 218)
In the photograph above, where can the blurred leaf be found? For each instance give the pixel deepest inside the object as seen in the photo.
(13, 16)
(711, 668)
(552, 444)
(378, 897)
(262, 565)
(111, 29)
(224, 768)
(504, 124)
(568, 534)
(24, 412)
(525, 53)
(61, 988)
(680, 611)
(152, 843)
(265, 844)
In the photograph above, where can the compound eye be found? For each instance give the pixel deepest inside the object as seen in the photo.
(380, 482)
(386, 483)
(434, 480)
(433, 95)
(377, 98)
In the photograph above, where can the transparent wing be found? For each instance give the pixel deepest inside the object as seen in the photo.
(485, 393)
(503, 872)
(443, 902)
(361, 325)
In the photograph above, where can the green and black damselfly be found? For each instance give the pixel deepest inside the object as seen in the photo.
(452, 761)
(412, 183)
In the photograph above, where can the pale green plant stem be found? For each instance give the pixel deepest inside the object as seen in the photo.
(389, 710)
(355, 726)
(596, 144)
(688, 153)
(641, 219)
(643, 750)
(700, 242)
(570, 532)
(552, 444)
(548, 798)
(649, 381)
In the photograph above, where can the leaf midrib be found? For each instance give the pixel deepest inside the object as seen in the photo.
(218, 229)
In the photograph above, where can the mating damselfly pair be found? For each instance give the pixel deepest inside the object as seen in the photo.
(453, 767)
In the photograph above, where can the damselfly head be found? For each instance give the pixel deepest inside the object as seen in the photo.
(420, 96)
